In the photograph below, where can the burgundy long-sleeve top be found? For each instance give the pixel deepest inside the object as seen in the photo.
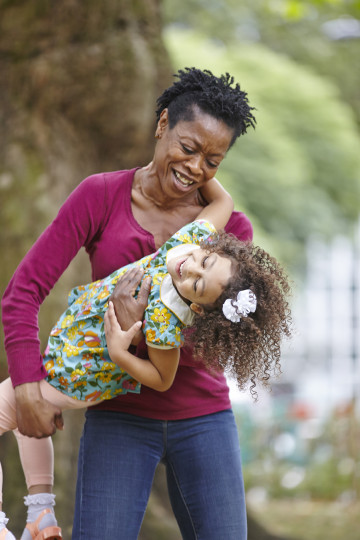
(97, 215)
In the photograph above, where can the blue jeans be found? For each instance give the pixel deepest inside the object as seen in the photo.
(117, 461)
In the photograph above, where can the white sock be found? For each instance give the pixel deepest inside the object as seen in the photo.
(36, 504)
(3, 523)
(3, 520)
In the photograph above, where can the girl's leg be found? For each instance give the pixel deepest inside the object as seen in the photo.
(36, 457)
(205, 478)
(7, 417)
(117, 460)
(37, 460)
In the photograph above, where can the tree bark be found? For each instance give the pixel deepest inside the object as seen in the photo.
(78, 85)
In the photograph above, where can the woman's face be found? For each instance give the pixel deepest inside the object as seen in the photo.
(189, 154)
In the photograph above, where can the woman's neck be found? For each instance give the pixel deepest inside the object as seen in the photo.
(148, 186)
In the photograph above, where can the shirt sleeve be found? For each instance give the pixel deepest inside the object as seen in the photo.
(240, 225)
(76, 225)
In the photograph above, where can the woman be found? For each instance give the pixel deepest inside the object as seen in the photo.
(120, 217)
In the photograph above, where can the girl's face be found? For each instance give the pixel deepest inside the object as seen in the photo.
(200, 276)
(189, 154)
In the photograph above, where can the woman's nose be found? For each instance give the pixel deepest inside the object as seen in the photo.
(194, 163)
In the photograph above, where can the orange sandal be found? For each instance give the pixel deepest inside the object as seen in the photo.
(49, 533)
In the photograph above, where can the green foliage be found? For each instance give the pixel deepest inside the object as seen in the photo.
(298, 173)
(296, 28)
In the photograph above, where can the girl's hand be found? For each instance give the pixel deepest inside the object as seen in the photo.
(118, 340)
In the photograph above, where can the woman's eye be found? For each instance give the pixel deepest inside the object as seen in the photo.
(204, 261)
(212, 165)
(186, 149)
(195, 284)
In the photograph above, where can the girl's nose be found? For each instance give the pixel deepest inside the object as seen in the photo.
(194, 268)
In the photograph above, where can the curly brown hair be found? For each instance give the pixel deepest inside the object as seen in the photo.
(249, 350)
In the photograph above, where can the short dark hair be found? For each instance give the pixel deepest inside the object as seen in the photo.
(212, 95)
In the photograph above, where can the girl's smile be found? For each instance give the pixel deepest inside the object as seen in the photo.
(200, 276)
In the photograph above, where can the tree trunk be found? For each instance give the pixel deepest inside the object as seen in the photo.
(78, 87)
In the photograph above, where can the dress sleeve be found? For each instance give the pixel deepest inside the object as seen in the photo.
(162, 328)
(193, 232)
(76, 225)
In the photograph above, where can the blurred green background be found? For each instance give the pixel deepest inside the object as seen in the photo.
(78, 86)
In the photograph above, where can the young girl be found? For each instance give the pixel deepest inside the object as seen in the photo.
(231, 294)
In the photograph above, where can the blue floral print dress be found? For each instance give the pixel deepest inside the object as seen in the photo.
(76, 358)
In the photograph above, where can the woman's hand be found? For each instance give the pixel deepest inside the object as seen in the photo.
(129, 309)
(36, 417)
(118, 340)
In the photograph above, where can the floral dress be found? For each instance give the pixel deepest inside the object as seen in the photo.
(76, 358)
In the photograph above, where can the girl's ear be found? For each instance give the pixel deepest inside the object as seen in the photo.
(197, 308)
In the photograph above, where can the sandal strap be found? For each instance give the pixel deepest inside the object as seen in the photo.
(3, 533)
(48, 532)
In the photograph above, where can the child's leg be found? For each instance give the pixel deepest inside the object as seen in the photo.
(7, 423)
(7, 417)
(36, 457)
(37, 460)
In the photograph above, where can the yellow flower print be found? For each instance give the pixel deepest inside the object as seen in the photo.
(104, 377)
(161, 315)
(157, 278)
(185, 238)
(70, 350)
(108, 366)
(150, 335)
(68, 320)
(63, 382)
(103, 294)
(76, 374)
(59, 362)
(177, 334)
(106, 395)
(51, 373)
(71, 333)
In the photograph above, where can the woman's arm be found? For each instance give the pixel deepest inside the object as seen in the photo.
(157, 373)
(220, 204)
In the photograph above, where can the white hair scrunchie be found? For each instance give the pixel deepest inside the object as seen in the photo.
(241, 307)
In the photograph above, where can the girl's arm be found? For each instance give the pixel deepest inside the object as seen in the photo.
(220, 204)
(157, 373)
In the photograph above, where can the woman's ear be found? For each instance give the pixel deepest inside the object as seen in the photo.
(162, 123)
(197, 308)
